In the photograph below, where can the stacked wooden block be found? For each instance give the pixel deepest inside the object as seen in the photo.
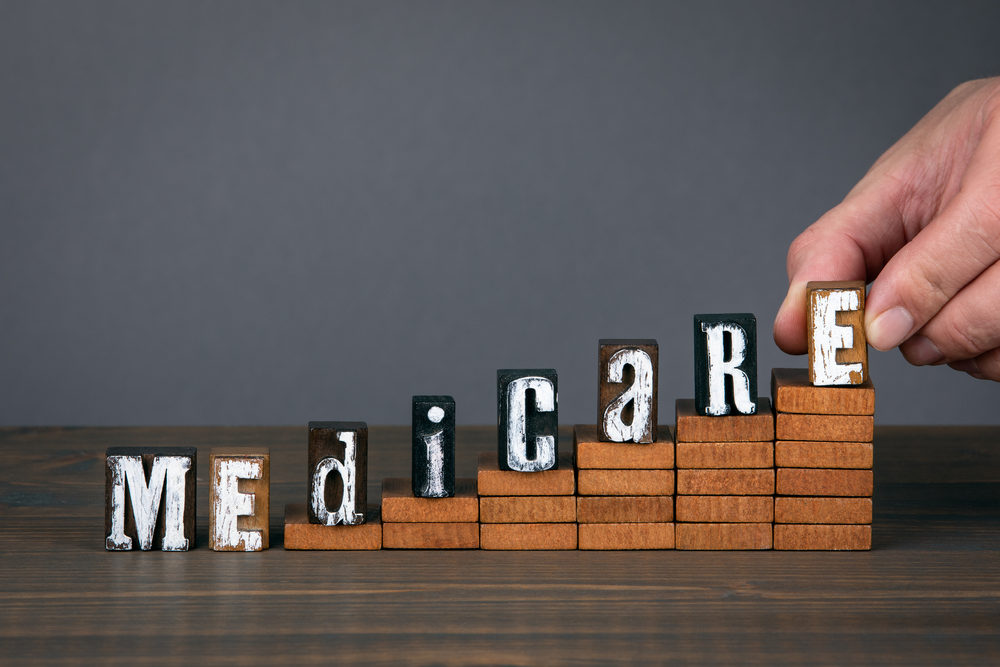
(410, 521)
(823, 455)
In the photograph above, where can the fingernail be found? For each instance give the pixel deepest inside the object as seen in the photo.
(967, 366)
(921, 351)
(890, 328)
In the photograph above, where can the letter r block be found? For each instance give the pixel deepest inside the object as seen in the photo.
(338, 473)
(725, 364)
(527, 419)
(626, 390)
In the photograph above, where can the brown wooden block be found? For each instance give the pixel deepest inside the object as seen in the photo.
(725, 482)
(692, 427)
(625, 482)
(825, 428)
(803, 454)
(400, 505)
(627, 370)
(446, 535)
(836, 312)
(491, 481)
(814, 537)
(592, 453)
(624, 509)
(723, 536)
(823, 510)
(626, 536)
(824, 482)
(239, 491)
(725, 454)
(338, 472)
(791, 391)
(725, 509)
(527, 509)
(527, 536)
(302, 534)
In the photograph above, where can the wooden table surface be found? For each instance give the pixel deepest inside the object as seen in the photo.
(929, 591)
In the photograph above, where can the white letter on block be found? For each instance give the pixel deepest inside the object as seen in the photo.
(145, 498)
(434, 487)
(641, 392)
(230, 504)
(347, 470)
(828, 337)
(719, 367)
(517, 424)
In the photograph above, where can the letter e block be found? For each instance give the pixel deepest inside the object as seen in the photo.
(626, 391)
(239, 495)
(527, 420)
(725, 364)
(338, 473)
(433, 458)
(835, 332)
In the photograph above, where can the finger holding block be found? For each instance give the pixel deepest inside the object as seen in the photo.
(433, 441)
(835, 333)
(627, 393)
(239, 499)
(338, 473)
(527, 420)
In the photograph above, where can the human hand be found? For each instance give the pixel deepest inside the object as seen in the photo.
(924, 223)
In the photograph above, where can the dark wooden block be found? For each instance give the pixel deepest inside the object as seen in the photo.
(338, 472)
(624, 509)
(592, 453)
(492, 481)
(528, 536)
(150, 498)
(813, 537)
(433, 459)
(835, 332)
(791, 391)
(527, 419)
(239, 498)
(400, 505)
(302, 534)
(725, 364)
(692, 427)
(627, 370)
(626, 536)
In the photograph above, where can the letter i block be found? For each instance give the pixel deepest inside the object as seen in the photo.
(527, 420)
(239, 495)
(835, 332)
(338, 473)
(626, 394)
(433, 458)
(725, 364)
(150, 498)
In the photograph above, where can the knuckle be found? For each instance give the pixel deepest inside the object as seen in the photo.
(959, 340)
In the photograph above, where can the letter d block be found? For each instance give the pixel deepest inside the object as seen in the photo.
(527, 420)
(725, 364)
(239, 495)
(626, 390)
(150, 495)
(835, 333)
(338, 473)
(433, 457)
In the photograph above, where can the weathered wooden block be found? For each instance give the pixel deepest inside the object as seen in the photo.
(527, 420)
(592, 453)
(725, 509)
(527, 536)
(627, 371)
(797, 537)
(725, 454)
(302, 534)
(492, 481)
(239, 495)
(527, 509)
(624, 509)
(693, 427)
(150, 498)
(823, 510)
(400, 505)
(825, 428)
(835, 332)
(447, 535)
(433, 435)
(338, 472)
(723, 536)
(725, 482)
(802, 454)
(791, 391)
(725, 364)
(626, 536)
(590, 482)
(824, 482)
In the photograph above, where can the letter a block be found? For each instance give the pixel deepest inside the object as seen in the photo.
(338, 473)
(626, 394)
(239, 494)
(835, 333)
(725, 364)
(150, 497)
(433, 458)
(527, 420)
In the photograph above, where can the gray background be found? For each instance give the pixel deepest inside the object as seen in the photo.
(269, 213)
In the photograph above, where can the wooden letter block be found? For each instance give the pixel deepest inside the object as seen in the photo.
(592, 453)
(626, 394)
(725, 364)
(239, 490)
(492, 481)
(302, 534)
(823, 510)
(338, 472)
(624, 509)
(625, 482)
(835, 332)
(725, 509)
(795, 537)
(433, 459)
(799, 454)
(449, 535)
(527, 536)
(825, 428)
(692, 427)
(622, 536)
(725, 454)
(723, 536)
(791, 391)
(527, 420)
(527, 509)
(400, 505)
(149, 496)
(725, 482)
(823, 482)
